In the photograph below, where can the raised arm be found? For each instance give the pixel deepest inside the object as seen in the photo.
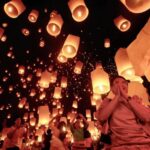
(86, 124)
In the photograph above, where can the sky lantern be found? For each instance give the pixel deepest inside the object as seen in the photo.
(53, 77)
(55, 24)
(44, 113)
(33, 16)
(1, 32)
(78, 10)
(125, 67)
(61, 58)
(21, 70)
(78, 67)
(22, 102)
(14, 8)
(32, 92)
(139, 52)
(100, 80)
(38, 72)
(57, 93)
(75, 104)
(122, 23)
(63, 82)
(45, 79)
(136, 88)
(88, 113)
(137, 6)
(54, 112)
(106, 42)
(33, 121)
(71, 45)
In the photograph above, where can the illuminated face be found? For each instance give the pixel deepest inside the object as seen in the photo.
(119, 82)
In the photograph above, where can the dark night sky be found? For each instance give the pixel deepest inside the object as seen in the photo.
(98, 26)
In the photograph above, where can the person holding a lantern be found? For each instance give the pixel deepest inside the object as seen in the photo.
(124, 119)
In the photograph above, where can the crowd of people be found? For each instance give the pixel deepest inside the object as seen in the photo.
(124, 123)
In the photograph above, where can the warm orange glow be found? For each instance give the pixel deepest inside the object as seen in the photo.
(75, 104)
(33, 16)
(57, 93)
(100, 80)
(53, 77)
(55, 24)
(78, 67)
(88, 113)
(61, 58)
(122, 24)
(124, 66)
(64, 82)
(22, 102)
(107, 43)
(14, 8)
(21, 70)
(25, 31)
(71, 46)
(33, 121)
(78, 10)
(1, 32)
(137, 6)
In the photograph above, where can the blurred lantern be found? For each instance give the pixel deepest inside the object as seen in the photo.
(24, 85)
(55, 24)
(42, 43)
(61, 58)
(45, 79)
(3, 38)
(33, 92)
(96, 96)
(11, 88)
(25, 117)
(38, 72)
(5, 24)
(122, 24)
(75, 104)
(33, 121)
(53, 77)
(107, 43)
(31, 115)
(57, 93)
(42, 95)
(136, 88)
(78, 67)
(26, 106)
(44, 113)
(78, 10)
(14, 8)
(25, 31)
(137, 6)
(33, 16)
(54, 112)
(9, 54)
(88, 113)
(71, 46)
(21, 70)
(139, 52)
(29, 77)
(22, 102)
(100, 80)
(1, 32)
(93, 101)
(58, 105)
(64, 82)
(61, 110)
(124, 66)
(8, 116)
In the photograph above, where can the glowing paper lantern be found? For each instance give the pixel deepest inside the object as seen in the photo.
(107, 43)
(57, 93)
(139, 52)
(54, 112)
(55, 24)
(53, 77)
(33, 16)
(44, 113)
(1, 32)
(136, 88)
(88, 113)
(64, 82)
(33, 92)
(75, 104)
(136, 6)
(14, 8)
(78, 10)
(100, 80)
(122, 24)
(25, 31)
(78, 67)
(25, 117)
(33, 121)
(61, 58)
(45, 79)
(21, 70)
(22, 102)
(124, 66)
(71, 46)
(38, 72)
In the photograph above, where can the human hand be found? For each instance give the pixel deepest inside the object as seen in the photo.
(123, 92)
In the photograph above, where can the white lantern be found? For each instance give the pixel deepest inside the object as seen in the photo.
(57, 93)
(78, 10)
(33, 16)
(78, 67)
(14, 8)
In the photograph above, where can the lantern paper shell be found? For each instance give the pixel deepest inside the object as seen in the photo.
(125, 67)
(22, 102)
(136, 88)
(122, 24)
(75, 104)
(61, 58)
(55, 24)
(107, 43)
(71, 46)
(14, 8)
(1, 32)
(64, 82)
(33, 16)
(138, 52)
(100, 80)
(78, 67)
(53, 77)
(57, 93)
(88, 113)
(78, 10)
(21, 70)
(136, 6)
(44, 113)
(32, 121)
